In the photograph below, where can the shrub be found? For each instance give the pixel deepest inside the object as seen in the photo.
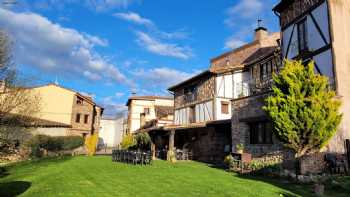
(228, 160)
(91, 143)
(143, 141)
(127, 142)
(54, 144)
(72, 142)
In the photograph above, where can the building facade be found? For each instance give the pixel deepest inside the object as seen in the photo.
(310, 31)
(66, 106)
(111, 132)
(143, 109)
(317, 30)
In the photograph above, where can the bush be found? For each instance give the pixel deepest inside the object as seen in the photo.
(39, 143)
(127, 142)
(228, 160)
(91, 143)
(143, 141)
(72, 142)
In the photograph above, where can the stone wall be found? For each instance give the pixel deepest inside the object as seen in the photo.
(86, 108)
(205, 90)
(244, 111)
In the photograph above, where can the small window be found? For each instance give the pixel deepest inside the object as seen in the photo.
(261, 133)
(77, 118)
(79, 100)
(146, 111)
(224, 107)
(86, 118)
(302, 36)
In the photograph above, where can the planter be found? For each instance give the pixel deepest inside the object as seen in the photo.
(319, 189)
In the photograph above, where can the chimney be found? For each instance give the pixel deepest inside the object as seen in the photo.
(260, 33)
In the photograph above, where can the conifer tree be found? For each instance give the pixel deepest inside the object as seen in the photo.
(303, 109)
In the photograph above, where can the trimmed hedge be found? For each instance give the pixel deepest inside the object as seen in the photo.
(53, 144)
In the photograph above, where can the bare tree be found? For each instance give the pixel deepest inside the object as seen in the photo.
(17, 103)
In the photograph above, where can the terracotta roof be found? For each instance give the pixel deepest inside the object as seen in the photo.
(190, 80)
(26, 121)
(162, 111)
(238, 58)
(151, 98)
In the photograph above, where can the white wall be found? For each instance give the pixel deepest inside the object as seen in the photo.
(218, 114)
(52, 131)
(224, 86)
(111, 131)
(204, 111)
(182, 116)
(241, 86)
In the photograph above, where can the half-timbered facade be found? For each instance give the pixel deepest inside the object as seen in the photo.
(319, 30)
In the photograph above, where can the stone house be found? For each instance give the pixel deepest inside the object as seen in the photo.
(67, 107)
(202, 110)
(310, 31)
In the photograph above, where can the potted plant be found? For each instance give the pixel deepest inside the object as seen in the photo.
(239, 148)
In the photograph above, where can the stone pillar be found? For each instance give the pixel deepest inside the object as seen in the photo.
(171, 154)
(153, 149)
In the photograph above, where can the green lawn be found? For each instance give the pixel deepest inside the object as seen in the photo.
(98, 176)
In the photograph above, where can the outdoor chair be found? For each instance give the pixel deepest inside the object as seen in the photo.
(148, 158)
(335, 163)
(137, 158)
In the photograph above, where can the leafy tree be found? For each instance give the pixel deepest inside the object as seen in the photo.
(128, 141)
(303, 108)
(14, 99)
(143, 141)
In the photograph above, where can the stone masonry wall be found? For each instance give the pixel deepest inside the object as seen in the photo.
(247, 110)
(204, 91)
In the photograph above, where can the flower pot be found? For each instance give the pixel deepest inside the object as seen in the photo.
(319, 189)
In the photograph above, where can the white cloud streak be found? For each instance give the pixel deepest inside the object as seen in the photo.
(161, 76)
(134, 18)
(155, 46)
(50, 47)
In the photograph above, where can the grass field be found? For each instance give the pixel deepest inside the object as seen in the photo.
(98, 176)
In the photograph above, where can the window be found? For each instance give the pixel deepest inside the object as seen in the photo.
(261, 133)
(86, 118)
(266, 70)
(77, 118)
(302, 36)
(79, 100)
(146, 111)
(224, 107)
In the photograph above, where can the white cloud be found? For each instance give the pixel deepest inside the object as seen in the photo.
(161, 48)
(113, 108)
(119, 94)
(246, 8)
(232, 43)
(101, 5)
(134, 18)
(52, 48)
(161, 77)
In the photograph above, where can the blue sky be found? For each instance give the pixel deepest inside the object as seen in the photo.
(110, 48)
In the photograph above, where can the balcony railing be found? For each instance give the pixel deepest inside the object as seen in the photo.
(251, 87)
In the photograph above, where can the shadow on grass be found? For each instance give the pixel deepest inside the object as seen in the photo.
(295, 189)
(292, 188)
(3, 172)
(13, 188)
